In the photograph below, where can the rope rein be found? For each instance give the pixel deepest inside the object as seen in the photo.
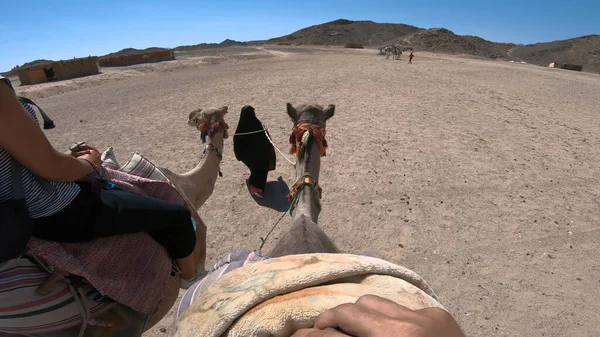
(264, 240)
(264, 129)
(250, 133)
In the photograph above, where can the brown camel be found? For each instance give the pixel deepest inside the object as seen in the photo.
(305, 236)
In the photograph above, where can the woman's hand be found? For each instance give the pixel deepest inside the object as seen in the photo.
(91, 156)
(373, 316)
(78, 149)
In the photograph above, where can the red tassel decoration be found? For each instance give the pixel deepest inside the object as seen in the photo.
(293, 148)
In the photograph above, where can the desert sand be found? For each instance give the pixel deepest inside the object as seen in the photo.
(479, 175)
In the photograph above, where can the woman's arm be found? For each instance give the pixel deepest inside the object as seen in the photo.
(25, 141)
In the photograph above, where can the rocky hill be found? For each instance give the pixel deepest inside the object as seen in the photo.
(341, 32)
(133, 51)
(13, 71)
(583, 50)
(375, 35)
(225, 43)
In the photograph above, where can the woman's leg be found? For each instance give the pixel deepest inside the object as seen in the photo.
(258, 177)
(102, 213)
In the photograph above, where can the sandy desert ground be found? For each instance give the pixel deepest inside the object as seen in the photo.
(479, 175)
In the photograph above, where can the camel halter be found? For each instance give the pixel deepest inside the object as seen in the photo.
(218, 153)
(301, 134)
(305, 181)
(210, 147)
(216, 126)
(205, 131)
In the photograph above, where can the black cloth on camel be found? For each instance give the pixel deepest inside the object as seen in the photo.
(254, 149)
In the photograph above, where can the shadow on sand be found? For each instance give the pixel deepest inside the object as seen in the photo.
(275, 196)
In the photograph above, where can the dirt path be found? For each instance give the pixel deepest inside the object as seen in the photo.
(481, 176)
(509, 53)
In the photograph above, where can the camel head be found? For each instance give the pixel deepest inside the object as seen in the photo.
(314, 114)
(209, 122)
(309, 122)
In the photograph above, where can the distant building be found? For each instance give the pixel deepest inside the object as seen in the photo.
(59, 70)
(566, 66)
(143, 57)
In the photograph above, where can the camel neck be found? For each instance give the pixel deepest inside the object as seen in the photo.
(210, 166)
(308, 203)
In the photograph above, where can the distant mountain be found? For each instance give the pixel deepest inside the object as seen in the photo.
(35, 63)
(133, 51)
(340, 32)
(582, 50)
(13, 71)
(441, 40)
(375, 35)
(225, 43)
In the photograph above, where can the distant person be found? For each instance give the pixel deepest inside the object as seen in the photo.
(410, 57)
(253, 148)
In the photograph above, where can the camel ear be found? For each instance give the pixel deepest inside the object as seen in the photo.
(329, 111)
(224, 109)
(291, 111)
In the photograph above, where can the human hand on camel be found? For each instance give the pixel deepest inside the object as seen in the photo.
(84, 151)
(373, 316)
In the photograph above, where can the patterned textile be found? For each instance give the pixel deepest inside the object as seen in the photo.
(139, 166)
(23, 311)
(224, 265)
(132, 269)
(278, 296)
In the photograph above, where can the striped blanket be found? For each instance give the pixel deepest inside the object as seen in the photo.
(131, 269)
(224, 265)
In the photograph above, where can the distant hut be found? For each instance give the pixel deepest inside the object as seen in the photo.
(143, 57)
(59, 70)
(567, 66)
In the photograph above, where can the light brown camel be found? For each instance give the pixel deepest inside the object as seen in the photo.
(198, 184)
(305, 236)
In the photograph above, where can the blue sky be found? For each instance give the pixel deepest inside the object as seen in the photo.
(65, 29)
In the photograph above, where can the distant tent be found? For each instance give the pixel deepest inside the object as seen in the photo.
(552, 65)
